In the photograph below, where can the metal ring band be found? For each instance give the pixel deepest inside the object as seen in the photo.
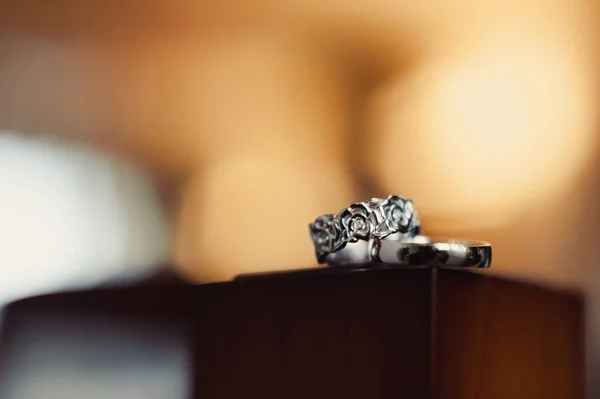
(391, 218)
(420, 251)
(454, 253)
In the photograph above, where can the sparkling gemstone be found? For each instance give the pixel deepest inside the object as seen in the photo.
(357, 224)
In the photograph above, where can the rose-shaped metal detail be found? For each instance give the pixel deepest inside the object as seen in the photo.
(370, 221)
(395, 215)
(357, 222)
(327, 236)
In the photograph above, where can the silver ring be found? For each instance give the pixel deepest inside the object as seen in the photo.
(345, 235)
(453, 253)
(419, 251)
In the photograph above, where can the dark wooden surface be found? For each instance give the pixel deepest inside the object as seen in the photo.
(317, 334)
(359, 335)
(498, 338)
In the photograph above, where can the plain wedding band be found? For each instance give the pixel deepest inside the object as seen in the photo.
(419, 251)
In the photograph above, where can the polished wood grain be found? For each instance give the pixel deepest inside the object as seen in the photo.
(355, 335)
(498, 338)
(319, 333)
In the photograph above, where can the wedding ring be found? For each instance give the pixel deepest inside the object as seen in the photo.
(453, 253)
(417, 251)
(348, 234)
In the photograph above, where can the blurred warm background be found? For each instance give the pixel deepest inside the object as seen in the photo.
(209, 135)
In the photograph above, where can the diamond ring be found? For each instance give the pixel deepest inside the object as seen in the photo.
(345, 234)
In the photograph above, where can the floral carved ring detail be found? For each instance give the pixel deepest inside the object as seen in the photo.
(374, 219)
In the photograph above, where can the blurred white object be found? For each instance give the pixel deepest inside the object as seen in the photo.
(71, 217)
